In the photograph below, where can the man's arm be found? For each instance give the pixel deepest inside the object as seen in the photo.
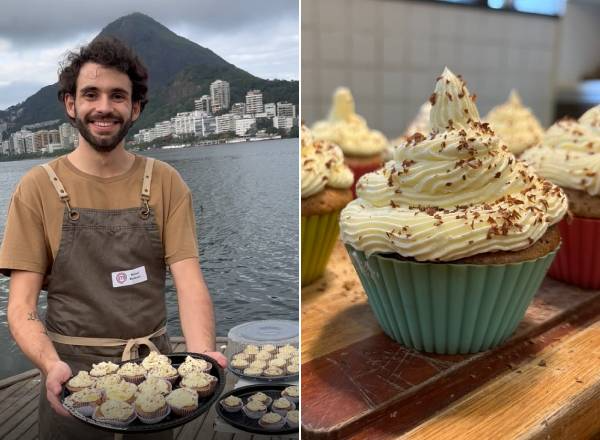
(195, 309)
(30, 334)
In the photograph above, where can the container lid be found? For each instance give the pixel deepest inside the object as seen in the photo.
(271, 331)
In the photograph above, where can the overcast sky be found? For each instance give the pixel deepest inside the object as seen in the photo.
(259, 36)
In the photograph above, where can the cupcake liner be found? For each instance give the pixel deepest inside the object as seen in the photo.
(360, 170)
(319, 234)
(136, 380)
(578, 261)
(283, 412)
(113, 422)
(156, 417)
(291, 424)
(182, 412)
(273, 426)
(253, 414)
(448, 308)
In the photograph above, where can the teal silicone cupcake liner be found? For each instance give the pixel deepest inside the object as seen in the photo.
(448, 308)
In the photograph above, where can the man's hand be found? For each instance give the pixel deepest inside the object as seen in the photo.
(217, 356)
(58, 374)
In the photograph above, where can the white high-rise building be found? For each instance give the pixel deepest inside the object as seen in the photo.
(239, 108)
(254, 102)
(243, 125)
(283, 122)
(205, 125)
(67, 133)
(203, 104)
(183, 123)
(162, 129)
(286, 109)
(219, 95)
(270, 109)
(225, 123)
(5, 147)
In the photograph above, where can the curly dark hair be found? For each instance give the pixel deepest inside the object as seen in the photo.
(108, 52)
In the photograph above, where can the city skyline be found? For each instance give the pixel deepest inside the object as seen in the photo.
(261, 38)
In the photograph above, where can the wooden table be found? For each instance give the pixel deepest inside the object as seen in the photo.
(544, 383)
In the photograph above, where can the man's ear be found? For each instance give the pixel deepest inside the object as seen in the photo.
(70, 105)
(136, 110)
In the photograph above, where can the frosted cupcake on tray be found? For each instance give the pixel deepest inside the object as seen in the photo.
(570, 157)
(363, 147)
(515, 124)
(326, 183)
(452, 238)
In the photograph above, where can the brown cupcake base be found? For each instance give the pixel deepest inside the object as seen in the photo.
(327, 201)
(581, 204)
(546, 244)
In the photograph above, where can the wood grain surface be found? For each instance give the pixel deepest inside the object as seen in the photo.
(359, 383)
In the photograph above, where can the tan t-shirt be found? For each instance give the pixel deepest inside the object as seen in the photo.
(33, 226)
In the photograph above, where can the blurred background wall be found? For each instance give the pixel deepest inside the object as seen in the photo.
(389, 53)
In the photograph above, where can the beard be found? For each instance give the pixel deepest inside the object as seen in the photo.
(104, 144)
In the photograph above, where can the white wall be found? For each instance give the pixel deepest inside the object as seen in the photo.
(389, 53)
(579, 41)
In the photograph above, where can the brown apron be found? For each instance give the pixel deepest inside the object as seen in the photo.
(98, 300)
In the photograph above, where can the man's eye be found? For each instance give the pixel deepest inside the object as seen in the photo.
(119, 96)
(89, 95)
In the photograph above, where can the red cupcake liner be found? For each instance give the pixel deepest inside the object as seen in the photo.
(578, 260)
(360, 170)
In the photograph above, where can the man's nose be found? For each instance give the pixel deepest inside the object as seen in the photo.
(104, 104)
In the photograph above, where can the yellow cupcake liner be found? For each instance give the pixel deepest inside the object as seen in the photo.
(318, 236)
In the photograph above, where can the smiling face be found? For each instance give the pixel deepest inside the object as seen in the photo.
(102, 107)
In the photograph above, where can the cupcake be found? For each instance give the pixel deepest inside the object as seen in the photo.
(80, 381)
(282, 406)
(363, 148)
(164, 371)
(132, 372)
(254, 409)
(231, 404)
(151, 407)
(155, 359)
(155, 385)
(251, 350)
(271, 421)
(277, 362)
(262, 398)
(86, 400)
(269, 348)
(239, 364)
(183, 401)
(115, 412)
(104, 381)
(570, 157)
(258, 364)
(292, 418)
(273, 371)
(103, 369)
(291, 393)
(326, 183)
(204, 384)
(242, 356)
(253, 372)
(193, 365)
(452, 238)
(515, 124)
(263, 356)
(288, 349)
(124, 391)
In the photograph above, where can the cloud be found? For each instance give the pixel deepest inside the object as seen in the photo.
(260, 36)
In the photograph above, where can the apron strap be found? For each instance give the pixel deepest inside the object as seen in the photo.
(131, 345)
(60, 190)
(147, 179)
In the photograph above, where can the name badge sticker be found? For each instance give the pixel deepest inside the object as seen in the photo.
(129, 277)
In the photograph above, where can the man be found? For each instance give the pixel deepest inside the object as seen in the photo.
(97, 229)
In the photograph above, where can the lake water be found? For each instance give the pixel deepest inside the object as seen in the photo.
(246, 204)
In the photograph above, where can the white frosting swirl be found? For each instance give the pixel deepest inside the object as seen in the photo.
(515, 124)
(569, 156)
(349, 130)
(591, 119)
(322, 165)
(454, 194)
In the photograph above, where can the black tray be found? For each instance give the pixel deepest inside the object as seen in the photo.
(171, 421)
(262, 379)
(245, 423)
